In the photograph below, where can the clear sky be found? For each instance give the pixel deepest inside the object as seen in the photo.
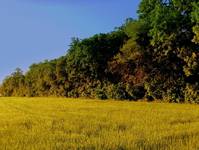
(34, 30)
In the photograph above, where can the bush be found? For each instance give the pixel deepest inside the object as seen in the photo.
(165, 88)
(136, 92)
(191, 93)
(118, 91)
(174, 94)
(153, 89)
(101, 94)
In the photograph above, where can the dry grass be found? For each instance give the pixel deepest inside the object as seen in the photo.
(56, 123)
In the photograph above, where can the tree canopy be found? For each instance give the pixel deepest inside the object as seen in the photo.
(155, 57)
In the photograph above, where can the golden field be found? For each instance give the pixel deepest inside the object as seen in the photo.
(62, 124)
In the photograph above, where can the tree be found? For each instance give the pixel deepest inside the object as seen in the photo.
(13, 85)
(195, 20)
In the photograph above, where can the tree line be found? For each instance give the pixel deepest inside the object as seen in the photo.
(155, 56)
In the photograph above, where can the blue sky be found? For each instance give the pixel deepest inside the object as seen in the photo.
(34, 30)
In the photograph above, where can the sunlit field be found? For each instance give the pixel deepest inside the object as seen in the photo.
(57, 123)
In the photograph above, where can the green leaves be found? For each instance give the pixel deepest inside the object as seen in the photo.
(195, 19)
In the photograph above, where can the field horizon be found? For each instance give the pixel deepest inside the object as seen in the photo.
(99, 75)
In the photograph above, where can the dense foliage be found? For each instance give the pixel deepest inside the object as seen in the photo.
(155, 56)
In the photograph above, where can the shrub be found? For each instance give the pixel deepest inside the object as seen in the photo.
(191, 93)
(174, 94)
(153, 90)
(135, 92)
(101, 94)
(119, 92)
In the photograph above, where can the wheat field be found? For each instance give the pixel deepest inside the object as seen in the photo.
(62, 124)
